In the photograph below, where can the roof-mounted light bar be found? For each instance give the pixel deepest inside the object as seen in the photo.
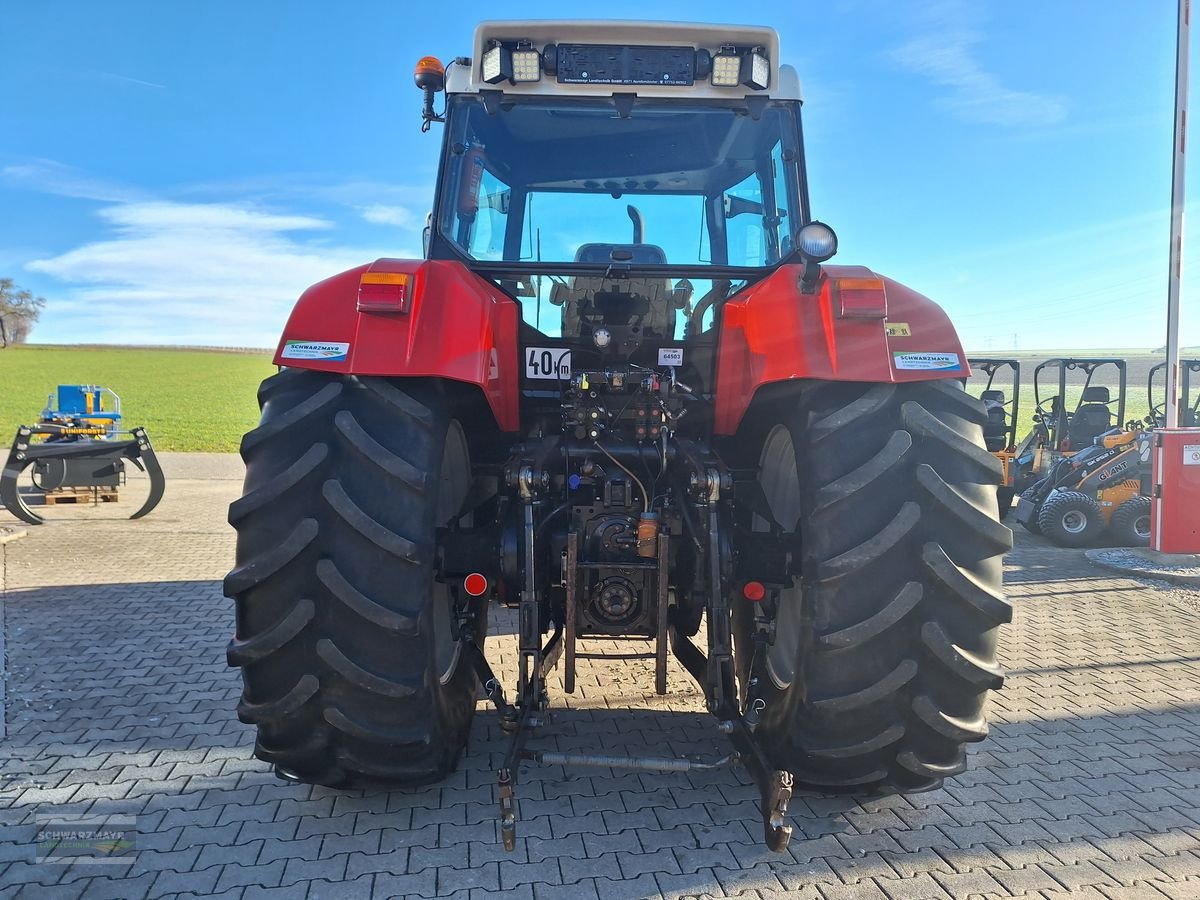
(519, 62)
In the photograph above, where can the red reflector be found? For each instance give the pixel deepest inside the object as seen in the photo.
(861, 298)
(383, 292)
(753, 590)
(475, 584)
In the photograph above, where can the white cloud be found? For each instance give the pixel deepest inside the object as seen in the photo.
(49, 177)
(220, 274)
(383, 214)
(944, 53)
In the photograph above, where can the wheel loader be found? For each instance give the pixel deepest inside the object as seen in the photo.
(1061, 428)
(1104, 487)
(624, 394)
(1189, 400)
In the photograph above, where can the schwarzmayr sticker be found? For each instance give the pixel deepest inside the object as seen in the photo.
(326, 351)
(947, 362)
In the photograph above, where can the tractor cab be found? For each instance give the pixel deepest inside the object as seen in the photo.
(1189, 404)
(621, 184)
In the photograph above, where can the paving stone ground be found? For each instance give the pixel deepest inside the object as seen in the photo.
(119, 703)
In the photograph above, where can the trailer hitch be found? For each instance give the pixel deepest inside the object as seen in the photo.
(24, 454)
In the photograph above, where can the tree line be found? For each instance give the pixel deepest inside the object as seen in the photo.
(19, 312)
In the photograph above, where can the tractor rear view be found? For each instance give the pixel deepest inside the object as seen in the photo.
(721, 449)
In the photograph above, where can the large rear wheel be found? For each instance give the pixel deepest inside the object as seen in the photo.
(885, 647)
(352, 672)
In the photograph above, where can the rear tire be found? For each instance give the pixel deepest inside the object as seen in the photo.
(1071, 519)
(1130, 525)
(885, 648)
(350, 669)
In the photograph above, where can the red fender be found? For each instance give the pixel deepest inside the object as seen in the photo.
(858, 326)
(454, 325)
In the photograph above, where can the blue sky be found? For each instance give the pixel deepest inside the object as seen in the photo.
(179, 172)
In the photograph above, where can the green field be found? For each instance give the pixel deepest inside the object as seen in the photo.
(204, 400)
(187, 400)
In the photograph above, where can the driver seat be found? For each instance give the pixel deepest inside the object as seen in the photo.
(1091, 419)
(577, 296)
(995, 430)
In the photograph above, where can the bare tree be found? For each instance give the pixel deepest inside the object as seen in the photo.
(19, 312)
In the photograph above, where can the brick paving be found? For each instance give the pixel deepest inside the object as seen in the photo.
(119, 703)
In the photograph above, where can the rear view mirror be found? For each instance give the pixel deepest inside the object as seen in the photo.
(736, 206)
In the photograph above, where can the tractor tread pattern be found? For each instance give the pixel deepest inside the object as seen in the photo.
(882, 689)
(990, 603)
(902, 587)
(396, 621)
(356, 675)
(978, 521)
(866, 474)
(921, 423)
(974, 729)
(932, 770)
(393, 737)
(285, 423)
(267, 563)
(281, 707)
(333, 580)
(963, 663)
(391, 463)
(885, 738)
(892, 614)
(274, 489)
(259, 647)
(362, 522)
(874, 547)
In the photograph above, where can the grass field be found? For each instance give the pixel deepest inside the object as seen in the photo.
(203, 400)
(191, 400)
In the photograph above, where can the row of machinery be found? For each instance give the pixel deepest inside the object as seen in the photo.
(1082, 469)
(77, 445)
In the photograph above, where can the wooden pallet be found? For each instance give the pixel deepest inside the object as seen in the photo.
(78, 495)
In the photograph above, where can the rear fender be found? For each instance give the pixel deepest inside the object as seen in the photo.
(456, 326)
(858, 326)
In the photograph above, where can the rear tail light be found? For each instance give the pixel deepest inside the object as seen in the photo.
(384, 292)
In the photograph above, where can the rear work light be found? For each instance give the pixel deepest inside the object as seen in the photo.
(384, 292)
(726, 68)
(731, 67)
(518, 64)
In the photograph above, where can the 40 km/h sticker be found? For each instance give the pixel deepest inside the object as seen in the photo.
(548, 362)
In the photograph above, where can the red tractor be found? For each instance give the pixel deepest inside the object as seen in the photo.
(624, 395)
